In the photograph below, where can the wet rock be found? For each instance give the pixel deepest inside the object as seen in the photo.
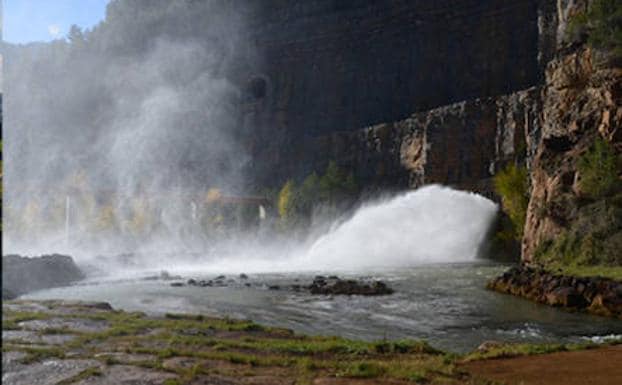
(74, 324)
(11, 361)
(177, 284)
(220, 277)
(32, 337)
(128, 375)
(128, 358)
(243, 276)
(596, 295)
(348, 287)
(21, 275)
(47, 372)
(163, 276)
(192, 282)
(566, 297)
(274, 287)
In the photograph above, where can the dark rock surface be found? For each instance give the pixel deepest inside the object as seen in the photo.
(595, 295)
(338, 286)
(332, 68)
(21, 275)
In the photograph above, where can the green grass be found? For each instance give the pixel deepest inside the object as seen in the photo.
(244, 349)
(516, 350)
(613, 272)
(90, 372)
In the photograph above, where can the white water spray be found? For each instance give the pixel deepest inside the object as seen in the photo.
(67, 207)
(433, 224)
(429, 225)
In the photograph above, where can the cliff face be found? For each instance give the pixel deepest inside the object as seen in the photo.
(330, 68)
(582, 100)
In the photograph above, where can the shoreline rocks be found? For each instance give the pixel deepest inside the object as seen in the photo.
(595, 295)
(21, 275)
(321, 285)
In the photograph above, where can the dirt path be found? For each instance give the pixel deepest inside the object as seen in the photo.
(588, 367)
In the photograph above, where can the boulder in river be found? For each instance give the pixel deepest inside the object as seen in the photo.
(338, 286)
(21, 275)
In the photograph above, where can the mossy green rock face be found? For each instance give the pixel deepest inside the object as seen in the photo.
(61, 342)
(593, 238)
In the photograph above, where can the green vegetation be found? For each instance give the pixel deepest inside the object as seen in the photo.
(226, 347)
(602, 23)
(511, 185)
(598, 169)
(516, 350)
(591, 240)
(613, 272)
(296, 202)
(240, 347)
(90, 372)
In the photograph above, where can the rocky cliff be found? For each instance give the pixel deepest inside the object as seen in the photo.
(331, 68)
(536, 96)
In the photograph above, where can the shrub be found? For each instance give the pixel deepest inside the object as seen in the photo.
(296, 203)
(286, 199)
(602, 23)
(511, 185)
(598, 169)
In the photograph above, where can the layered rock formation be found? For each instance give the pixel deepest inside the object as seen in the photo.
(596, 295)
(544, 113)
(331, 68)
(581, 101)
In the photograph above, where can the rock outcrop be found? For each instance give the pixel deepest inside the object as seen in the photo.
(21, 275)
(331, 68)
(581, 101)
(338, 286)
(596, 295)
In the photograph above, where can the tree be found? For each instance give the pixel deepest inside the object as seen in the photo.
(602, 22)
(511, 185)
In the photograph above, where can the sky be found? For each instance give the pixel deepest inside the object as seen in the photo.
(26, 21)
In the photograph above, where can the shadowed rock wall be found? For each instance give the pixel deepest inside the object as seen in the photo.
(331, 67)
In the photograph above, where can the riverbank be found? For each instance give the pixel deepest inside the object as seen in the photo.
(596, 295)
(68, 342)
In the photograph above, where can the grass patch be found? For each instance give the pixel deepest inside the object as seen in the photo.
(37, 354)
(363, 369)
(516, 350)
(13, 318)
(613, 272)
(602, 23)
(90, 372)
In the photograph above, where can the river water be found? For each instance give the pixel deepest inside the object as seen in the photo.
(446, 304)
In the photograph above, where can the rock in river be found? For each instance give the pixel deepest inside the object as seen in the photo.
(21, 275)
(338, 286)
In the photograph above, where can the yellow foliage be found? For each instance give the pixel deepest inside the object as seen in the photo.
(106, 220)
(213, 195)
(285, 199)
